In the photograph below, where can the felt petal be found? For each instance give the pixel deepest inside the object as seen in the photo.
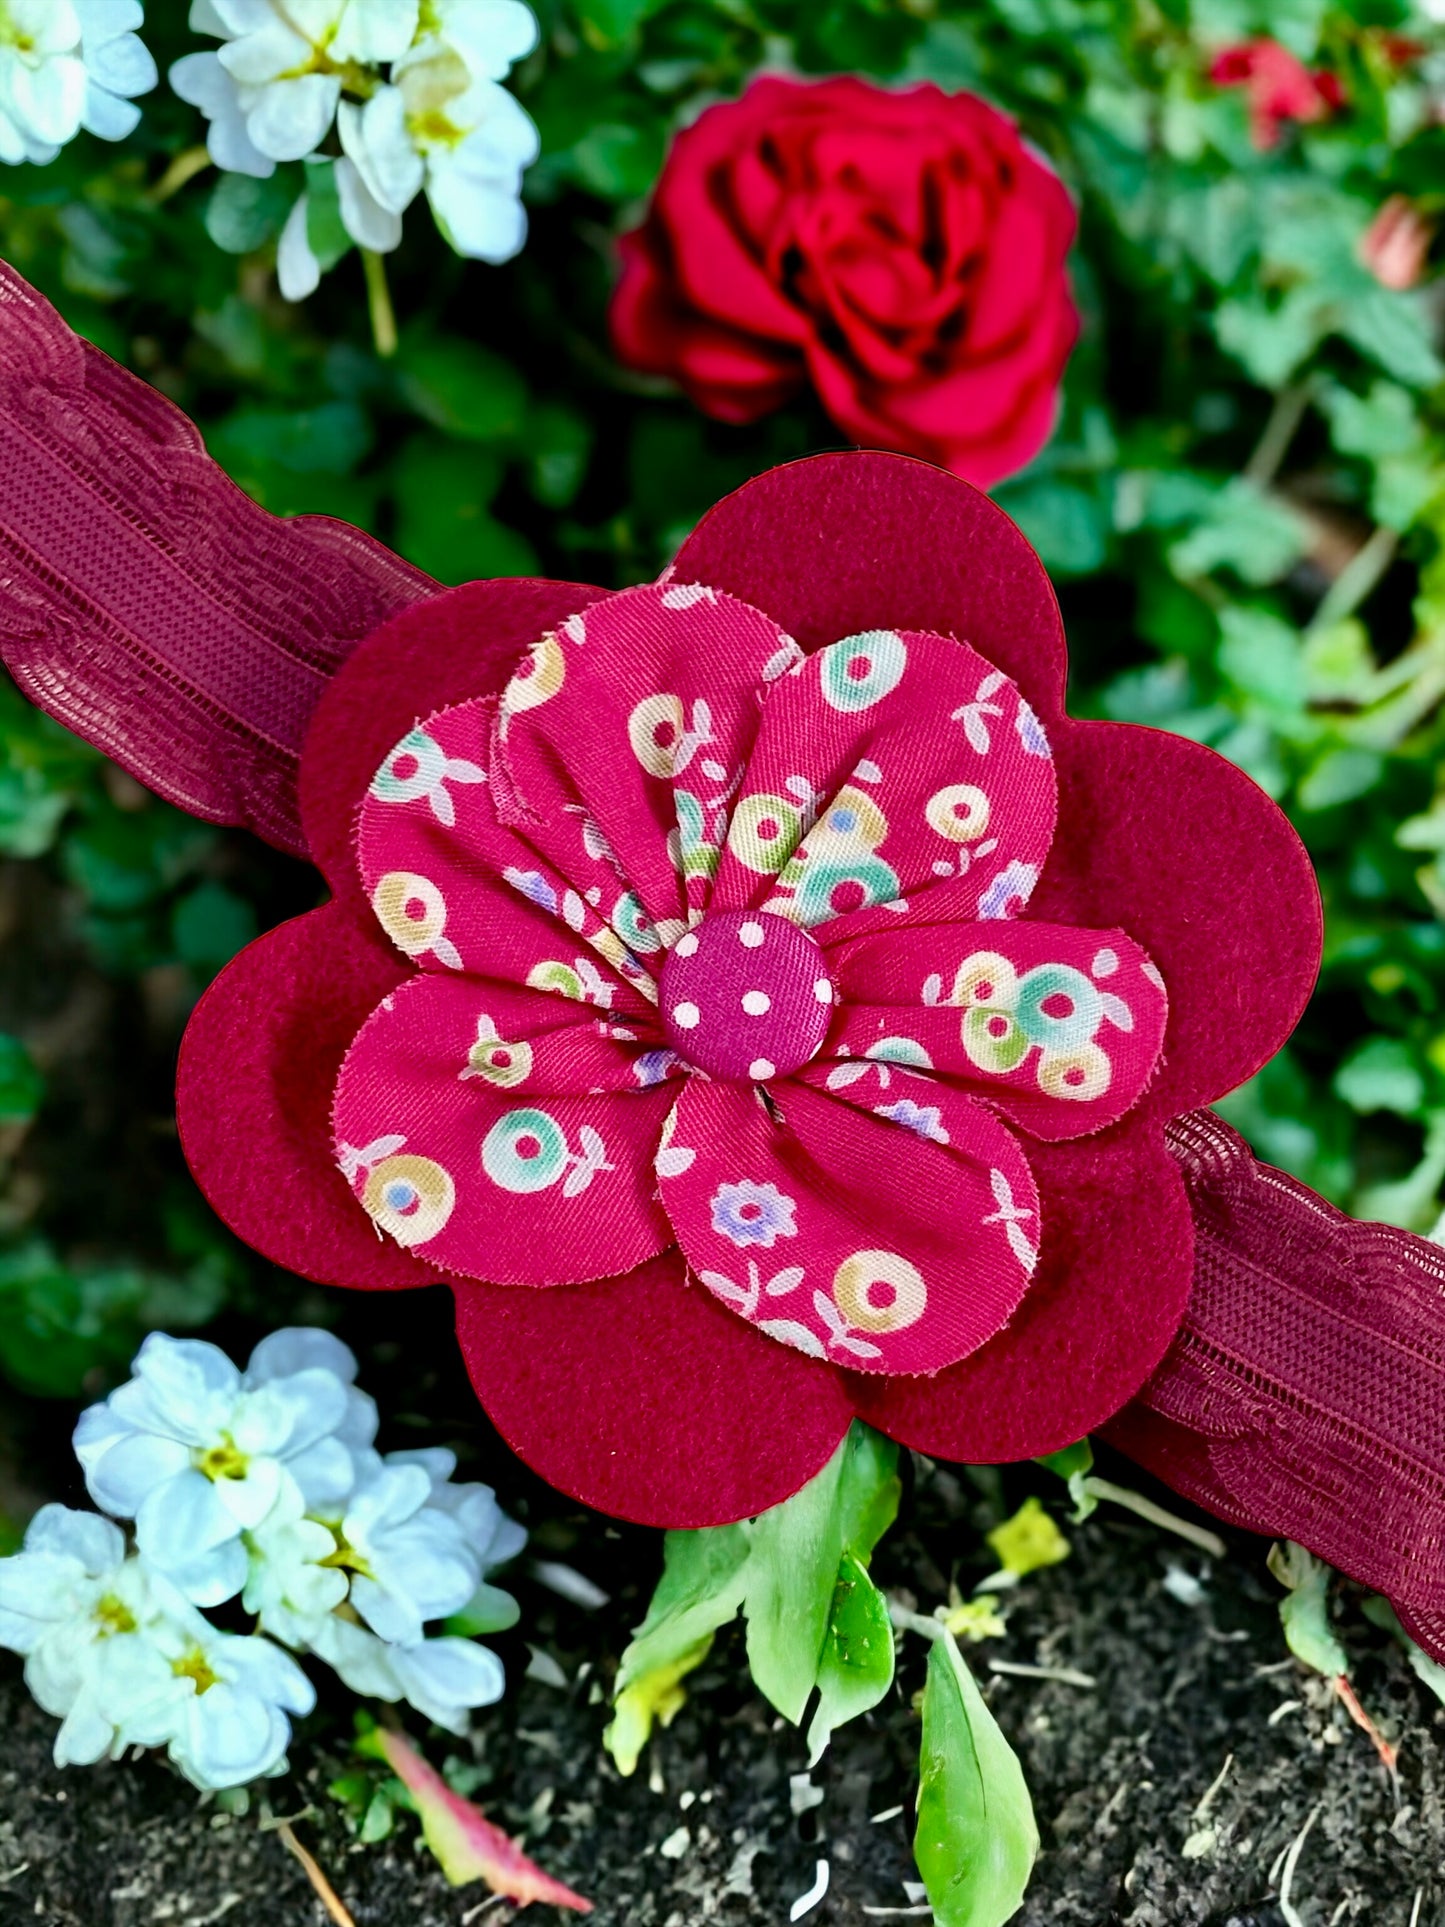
(643, 1397)
(853, 1238)
(837, 544)
(623, 746)
(254, 1086)
(1056, 1028)
(914, 761)
(458, 890)
(479, 1178)
(1110, 1289)
(1166, 838)
(461, 644)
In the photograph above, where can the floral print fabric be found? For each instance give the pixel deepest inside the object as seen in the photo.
(719, 946)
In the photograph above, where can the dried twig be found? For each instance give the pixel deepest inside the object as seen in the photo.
(324, 1890)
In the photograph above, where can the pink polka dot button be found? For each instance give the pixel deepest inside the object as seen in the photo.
(746, 996)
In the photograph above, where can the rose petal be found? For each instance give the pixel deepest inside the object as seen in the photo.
(482, 1180)
(847, 1236)
(643, 1397)
(1058, 1029)
(913, 752)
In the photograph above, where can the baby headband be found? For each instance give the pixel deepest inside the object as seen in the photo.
(751, 992)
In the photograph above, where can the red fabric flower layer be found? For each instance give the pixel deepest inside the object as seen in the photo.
(902, 251)
(968, 1297)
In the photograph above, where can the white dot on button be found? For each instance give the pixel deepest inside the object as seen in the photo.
(751, 935)
(762, 1068)
(823, 990)
(757, 1003)
(686, 943)
(686, 1016)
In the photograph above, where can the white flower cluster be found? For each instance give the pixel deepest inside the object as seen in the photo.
(264, 1486)
(64, 65)
(413, 89)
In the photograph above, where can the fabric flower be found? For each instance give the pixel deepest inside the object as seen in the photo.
(902, 251)
(1280, 88)
(196, 1452)
(68, 64)
(805, 825)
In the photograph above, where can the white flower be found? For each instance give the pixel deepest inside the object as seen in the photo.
(409, 1560)
(459, 134)
(64, 65)
(196, 1453)
(443, 1678)
(487, 1530)
(81, 1611)
(289, 1583)
(229, 1725)
(439, 121)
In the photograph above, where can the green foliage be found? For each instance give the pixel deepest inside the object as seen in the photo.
(976, 1839)
(1304, 1611)
(61, 1324)
(799, 1575)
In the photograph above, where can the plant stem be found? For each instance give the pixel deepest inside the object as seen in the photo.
(1279, 431)
(185, 167)
(1358, 577)
(1200, 1536)
(378, 299)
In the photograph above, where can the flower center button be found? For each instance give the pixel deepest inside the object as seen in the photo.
(746, 996)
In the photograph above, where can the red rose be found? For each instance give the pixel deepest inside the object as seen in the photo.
(904, 252)
(1281, 88)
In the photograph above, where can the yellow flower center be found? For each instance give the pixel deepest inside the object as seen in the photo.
(223, 1461)
(114, 1616)
(192, 1665)
(345, 1557)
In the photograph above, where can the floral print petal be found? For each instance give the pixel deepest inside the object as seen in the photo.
(458, 891)
(856, 1238)
(1058, 1029)
(448, 1128)
(620, 756)
(887, 764)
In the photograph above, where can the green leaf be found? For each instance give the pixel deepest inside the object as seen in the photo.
(326, 234)
(243, 213)
(1382, 1074)
(797, 1549)
(701, 1589)
(1428, 1671)
(1262, 657)
(559, 442)
(855, 1669)
(330, 439)
(1339, 776)
(1028, 1541)
(1305, 1611)
(21, 1085)
(976, 1839)
(209, 925)
(1074, 1464)
(443, 522)
(490, 1609)
(1245, 530)
(607, 23)
(1067, 524)
(462, 389)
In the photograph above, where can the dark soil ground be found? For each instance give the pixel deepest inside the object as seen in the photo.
(1168, 1791)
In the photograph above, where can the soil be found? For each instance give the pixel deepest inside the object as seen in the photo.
(1169, 1790)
